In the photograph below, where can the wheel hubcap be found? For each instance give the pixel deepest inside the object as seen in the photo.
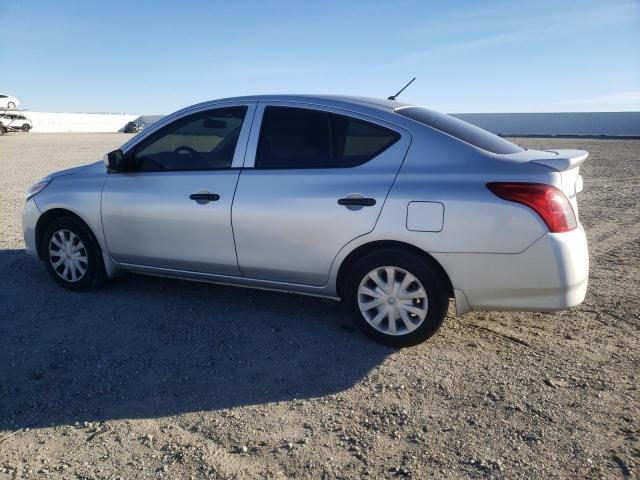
(68, 255)
(392, 300)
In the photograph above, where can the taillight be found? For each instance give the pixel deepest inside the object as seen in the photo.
(546, 200)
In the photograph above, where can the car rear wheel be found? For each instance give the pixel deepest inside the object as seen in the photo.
(397, 298)
(72, 254)
(26, 128)
(11, 105)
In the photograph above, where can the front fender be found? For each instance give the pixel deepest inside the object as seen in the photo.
(82, 197)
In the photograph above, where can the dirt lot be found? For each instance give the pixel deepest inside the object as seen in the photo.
(154, 378)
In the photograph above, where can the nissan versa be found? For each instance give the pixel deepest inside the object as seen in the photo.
(392, 208)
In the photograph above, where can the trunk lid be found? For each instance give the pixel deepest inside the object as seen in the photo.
(567, 164)
(563, 160)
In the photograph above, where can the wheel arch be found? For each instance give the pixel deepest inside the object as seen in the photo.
(45, 220)
(367, 248)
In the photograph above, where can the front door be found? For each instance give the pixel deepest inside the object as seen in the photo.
(319, 180)
(173, 210)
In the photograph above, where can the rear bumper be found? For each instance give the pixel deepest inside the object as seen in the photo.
(552, 274)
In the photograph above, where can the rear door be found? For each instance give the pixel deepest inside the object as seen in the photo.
(315, 178)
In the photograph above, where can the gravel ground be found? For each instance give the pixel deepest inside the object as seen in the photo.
(155, 378)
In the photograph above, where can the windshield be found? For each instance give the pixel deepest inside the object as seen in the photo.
(460, 129)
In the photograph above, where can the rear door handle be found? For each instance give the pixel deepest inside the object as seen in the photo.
(362, 202)
(208, 197)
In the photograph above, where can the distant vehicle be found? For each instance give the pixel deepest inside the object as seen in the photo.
(133, 127)
(14, 122)
(8, 102)
(393, 208)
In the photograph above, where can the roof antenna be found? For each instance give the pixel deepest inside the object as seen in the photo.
(393, 97)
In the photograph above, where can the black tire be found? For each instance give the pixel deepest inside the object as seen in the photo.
(11, 105)
(26, 128)
(1, 130)
(94, 274)
(426, 272)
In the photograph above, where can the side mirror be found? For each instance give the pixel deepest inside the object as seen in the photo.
(115, 161)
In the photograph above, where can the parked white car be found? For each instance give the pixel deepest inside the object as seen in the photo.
(13, 122)
(8, 102)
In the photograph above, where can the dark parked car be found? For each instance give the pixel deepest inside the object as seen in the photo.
(133, 127)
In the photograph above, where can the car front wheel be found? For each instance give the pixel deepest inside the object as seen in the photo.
(72, 254)
(397, 298)
(26, 128)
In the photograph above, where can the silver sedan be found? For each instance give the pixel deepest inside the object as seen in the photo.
(392, 208)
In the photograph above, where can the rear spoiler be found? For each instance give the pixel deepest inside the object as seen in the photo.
(564, 160)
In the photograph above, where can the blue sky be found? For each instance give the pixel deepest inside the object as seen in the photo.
(150, 57)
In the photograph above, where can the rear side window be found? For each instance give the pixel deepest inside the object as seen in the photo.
(460, 129)
(302, 138)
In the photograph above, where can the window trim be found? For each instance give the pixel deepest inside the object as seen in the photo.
(159, 131)
(252, 147)
(130, 147)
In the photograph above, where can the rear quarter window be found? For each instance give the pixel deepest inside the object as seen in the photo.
(460, 129)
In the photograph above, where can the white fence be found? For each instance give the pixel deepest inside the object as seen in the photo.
(78, 122)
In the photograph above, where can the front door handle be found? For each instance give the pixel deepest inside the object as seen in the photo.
(207, 197)
(359, 201)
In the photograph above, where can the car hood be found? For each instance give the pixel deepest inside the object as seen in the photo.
(92, 168)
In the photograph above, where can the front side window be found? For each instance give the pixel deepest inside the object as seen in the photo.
(301, 138)
(202, 141)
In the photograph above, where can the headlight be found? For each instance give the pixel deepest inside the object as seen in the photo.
(37, 187)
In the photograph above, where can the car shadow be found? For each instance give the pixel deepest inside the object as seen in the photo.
(144, 347)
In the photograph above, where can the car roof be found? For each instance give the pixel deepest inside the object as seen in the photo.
(371, 102)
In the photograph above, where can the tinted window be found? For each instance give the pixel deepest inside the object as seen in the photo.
(202, 141)
(460, 129)
(300, 138)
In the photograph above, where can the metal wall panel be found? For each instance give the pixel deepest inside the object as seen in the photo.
(614, 124)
